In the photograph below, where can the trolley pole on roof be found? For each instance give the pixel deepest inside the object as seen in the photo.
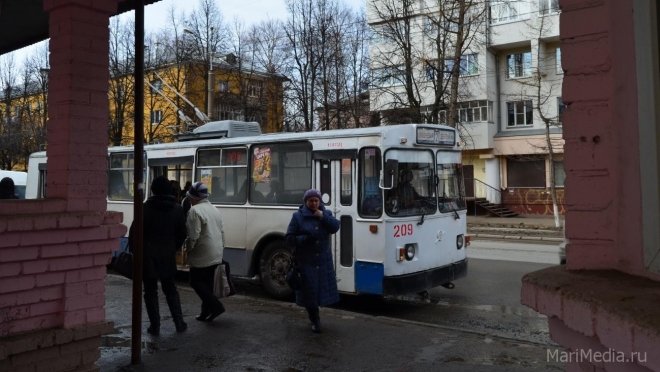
(138, 187)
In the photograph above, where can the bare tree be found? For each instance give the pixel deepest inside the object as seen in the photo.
(541, 89)
(205, 34)
(122, 84)
(420, 51)
(39, 71)
(10, 130)
(244, 93)
(329, 64)
(172, 59)
(271, 55)
(356, 77)
(302, 31)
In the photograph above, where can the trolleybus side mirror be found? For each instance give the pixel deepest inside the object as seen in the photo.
(389, 176)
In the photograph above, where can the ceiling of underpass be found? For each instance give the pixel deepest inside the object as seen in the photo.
(24, 22)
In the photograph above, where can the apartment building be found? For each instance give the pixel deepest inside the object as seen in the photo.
(509, 88)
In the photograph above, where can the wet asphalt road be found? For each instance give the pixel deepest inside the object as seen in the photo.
(487, 301)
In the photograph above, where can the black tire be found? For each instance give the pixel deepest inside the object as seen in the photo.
(273, 263)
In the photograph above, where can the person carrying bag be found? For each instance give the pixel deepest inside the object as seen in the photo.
(205, 246)
(309, 233)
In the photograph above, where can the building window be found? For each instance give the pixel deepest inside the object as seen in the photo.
(519, 65)
(560, 175)
(225, 112)
(475, 111)
(548, 7)
(223, 86)
(469, 65)
(520, 113)
(508, 11)
(388, 76)
(525, 171)
(157, 86)
(558, 61)
(468, 112)
(156, 116)
(561, 107)
(254, 88)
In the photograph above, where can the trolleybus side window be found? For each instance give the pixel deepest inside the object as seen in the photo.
(224, 172)
(178, 170)
(280, 173)
(369, 194)
(415, 190)
(346, 181)
(450, 182)
(120, 176)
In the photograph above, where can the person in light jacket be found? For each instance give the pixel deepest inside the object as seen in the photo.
(309, 233)
(205, 245)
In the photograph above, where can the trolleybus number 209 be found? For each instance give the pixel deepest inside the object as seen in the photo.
(403, 230)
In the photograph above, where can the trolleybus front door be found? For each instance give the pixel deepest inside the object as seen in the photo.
(336, 182)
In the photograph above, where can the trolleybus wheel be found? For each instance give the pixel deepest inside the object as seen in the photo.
(273, 263)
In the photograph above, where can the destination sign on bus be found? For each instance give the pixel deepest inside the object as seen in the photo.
(433, 136)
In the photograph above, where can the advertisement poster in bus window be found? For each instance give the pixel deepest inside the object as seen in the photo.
(206, 178)
(261, 168)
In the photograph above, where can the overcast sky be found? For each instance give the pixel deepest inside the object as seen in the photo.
(250, 11)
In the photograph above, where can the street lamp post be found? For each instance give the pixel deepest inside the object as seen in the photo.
(210, 78)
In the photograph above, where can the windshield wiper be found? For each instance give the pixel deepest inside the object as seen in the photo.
(451, 205)
(455, 211)
(421, 220)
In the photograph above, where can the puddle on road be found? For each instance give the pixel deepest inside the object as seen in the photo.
(523, 311)
(118, 341)
(500, 309)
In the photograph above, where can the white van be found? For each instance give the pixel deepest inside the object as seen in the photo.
(20, 179)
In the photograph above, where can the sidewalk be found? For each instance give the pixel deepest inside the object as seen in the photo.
(264, 335)
(529, 222)
(530, 228)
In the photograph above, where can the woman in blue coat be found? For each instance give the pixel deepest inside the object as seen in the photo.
(309, 233)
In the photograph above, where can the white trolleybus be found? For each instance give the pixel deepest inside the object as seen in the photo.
(396, 190)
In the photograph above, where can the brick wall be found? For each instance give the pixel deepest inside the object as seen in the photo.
(53, 252)
(69, 349)
(603, 298)
(52, 267)
(601, 157)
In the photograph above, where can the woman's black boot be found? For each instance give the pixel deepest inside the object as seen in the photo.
(151, 304)
(174, 304)
(315, 318)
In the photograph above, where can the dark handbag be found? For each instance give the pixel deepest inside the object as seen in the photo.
(293, 275)
(232, 287)
(124, 265)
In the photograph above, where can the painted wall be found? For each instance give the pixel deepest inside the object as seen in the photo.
(532, 201)
(523, 145)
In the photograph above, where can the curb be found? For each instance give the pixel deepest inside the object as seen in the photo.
(517, 237)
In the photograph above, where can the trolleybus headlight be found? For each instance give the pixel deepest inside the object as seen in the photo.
(410, 252)
(459, 242)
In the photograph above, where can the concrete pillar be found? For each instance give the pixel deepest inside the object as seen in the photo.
(78, 102)
(493, 179)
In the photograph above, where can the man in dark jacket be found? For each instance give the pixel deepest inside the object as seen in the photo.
(7, 189)
(164, 233)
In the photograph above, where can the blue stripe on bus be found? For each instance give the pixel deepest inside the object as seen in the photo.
(369, 277)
